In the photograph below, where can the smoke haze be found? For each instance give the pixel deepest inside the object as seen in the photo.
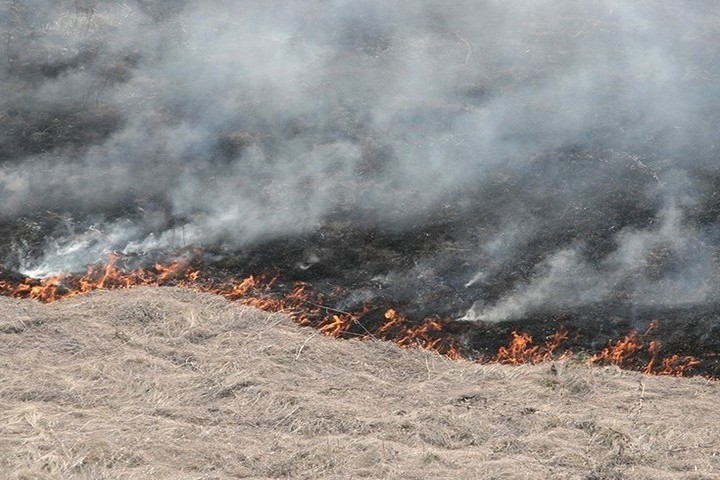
(572, 146)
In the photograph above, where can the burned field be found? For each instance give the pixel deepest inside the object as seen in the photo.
(345, 280)
(454, 177)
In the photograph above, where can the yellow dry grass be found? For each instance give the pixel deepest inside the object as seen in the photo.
(168, 383)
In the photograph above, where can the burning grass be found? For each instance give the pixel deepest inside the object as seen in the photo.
(634, 351)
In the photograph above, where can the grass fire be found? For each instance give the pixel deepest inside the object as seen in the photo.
(436, 334)
(335, 239)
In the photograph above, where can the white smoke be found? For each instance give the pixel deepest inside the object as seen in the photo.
(197, 123)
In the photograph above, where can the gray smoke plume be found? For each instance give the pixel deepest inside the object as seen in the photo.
(576, 141)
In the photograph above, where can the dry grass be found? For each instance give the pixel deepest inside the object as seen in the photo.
(167, 383)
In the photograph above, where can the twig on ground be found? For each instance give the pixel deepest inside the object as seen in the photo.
(300, 349)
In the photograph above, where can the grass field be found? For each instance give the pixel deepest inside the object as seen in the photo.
(168, 383)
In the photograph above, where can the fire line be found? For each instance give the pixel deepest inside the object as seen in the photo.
(307, 309)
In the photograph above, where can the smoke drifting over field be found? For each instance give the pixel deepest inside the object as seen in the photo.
(539, 155)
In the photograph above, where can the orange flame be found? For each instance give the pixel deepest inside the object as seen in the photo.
(522, 350)
(308, 310)
(109, 277)
(427, 335)
(630, 351)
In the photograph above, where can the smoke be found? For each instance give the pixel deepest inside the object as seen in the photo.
(664, 266)
(575, 142)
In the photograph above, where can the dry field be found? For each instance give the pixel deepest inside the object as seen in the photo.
(168, 383)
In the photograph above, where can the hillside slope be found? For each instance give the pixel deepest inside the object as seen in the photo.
(169, 383)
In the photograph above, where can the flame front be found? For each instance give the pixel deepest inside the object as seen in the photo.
(521, 349)
(108, 276)
(629, 351)
(307, 309)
